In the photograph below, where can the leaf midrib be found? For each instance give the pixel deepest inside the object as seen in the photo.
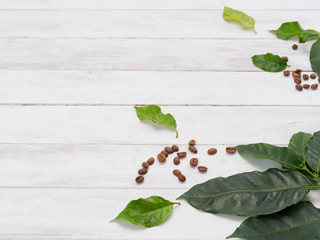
(152, 210)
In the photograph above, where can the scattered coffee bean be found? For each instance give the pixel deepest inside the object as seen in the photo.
(175, 148)
(142, 171)
(182, 154)
(165, 153)
(212, 151)
(168, 150)
(295, 74)
(176, 161)
(231, 149)
(313, 76)
(299, 87)
(306, 86)
(150, 161)
(176, 172)
(161, 157)
(286, 73)
(298, 70)
(285, 58)
(305, 76)
(181, 178)
(202, 169)
(294, 46)
(319, 80)
(314, 86)
(192, 142)
(194, 162)
(139, 179)
(297, 80)
(192, 149)
(145, 165)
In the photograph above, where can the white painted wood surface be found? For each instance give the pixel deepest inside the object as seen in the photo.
(70, 142)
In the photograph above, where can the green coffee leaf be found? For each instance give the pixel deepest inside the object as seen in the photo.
(148, 212)
(269, 62)
(315, 57)
(283, 155)
(298, 222)
(249, 194)
(235, 15)
(298, 143)
(153, 113)
(313, 152)
(291, 29)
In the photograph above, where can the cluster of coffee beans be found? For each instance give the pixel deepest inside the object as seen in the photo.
(163, 155)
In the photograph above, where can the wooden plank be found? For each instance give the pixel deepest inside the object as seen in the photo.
(120, 125)
(168, 88)
(144, 54)
(144, 24)
(155, 4)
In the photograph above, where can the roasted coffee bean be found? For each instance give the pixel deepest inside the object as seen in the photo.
(192, 149)
(181, 178)
(165, 153)
(299, 87)
(192, 142)
(295, 74)
(306, 86)
(145, 165)
(313, 76)
(298, 70)
(142, 171)
(194, 162)
(286, 73)
(139, 179)
(176, 172)
(231, 149)
(161, 157)
(150, 161)
(319, 80)
(285, 58)
(182, 154)
(314, 86)
(212, 151)
(305, 76)
(168, 150)
(202, 169)
(175, 148)
(294, 46)
(297, 80)
(176, 161)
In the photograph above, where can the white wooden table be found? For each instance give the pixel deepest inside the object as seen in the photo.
(70, 141)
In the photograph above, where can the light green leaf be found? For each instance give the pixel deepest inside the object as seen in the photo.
(315, 57)
(249, 194)
(313, 152)
(298, 143)
(235, 15)
(148, 212)
(153, 113)
(269, 62)
(298, 222)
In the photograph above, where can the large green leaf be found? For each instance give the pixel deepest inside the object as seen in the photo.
(313, 152)
(298, 143)
(148, 212)
(153, 113)
(283, 155)
(315, 57)
(298, 222)
(235, 15)
(269, 62)
(249, 194)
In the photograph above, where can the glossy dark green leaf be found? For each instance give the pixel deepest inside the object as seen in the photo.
(153, 113)
(238, 16)
(249, 194)
(283, 155)
(298, 222)
(269, 62)
(148, 212)
(298, 143)
(313, 152)
(315, 57)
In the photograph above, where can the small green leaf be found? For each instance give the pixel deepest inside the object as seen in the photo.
(298, 143)
(153, 113)
(313, 152)
(249, 194)
(283, 155)
(298, 222)
(269, 62)
(148, 212)
(315, 57)
(235, 15)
